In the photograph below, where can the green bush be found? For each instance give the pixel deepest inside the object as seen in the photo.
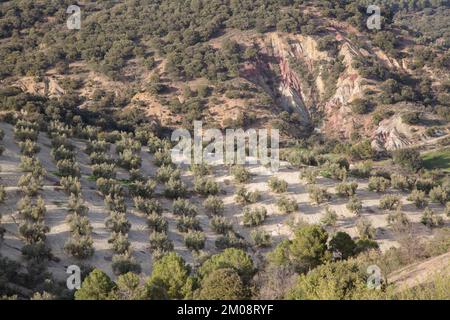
(343, 244)
(318, 195)
(125, 263)
(390, 202)
(401, 182)
(119, 242)
(147, 206)
(346, 189)
(254, 217)
(79, 225)
(165, 172)
(362, 169)
(104, 170)
(33, 232)
(175, 188)
(183, 207)
(157, 223)
(240, 174)
(408, 158)
(159, 242)
(76, 205)
(188, 223)
(277, 185)
(261, 238)
(80, 247)
(71, 185)
(96, 286)
(309, 174)
(222, 284)
(214, 206)
(30, 184)
(329, 218)
(117, 222)
(200, 170)
(141, 189)
(287, 205)
(244, 197)
(220, 225)
(379, 184)
(32, 210)
(206, 187)
(195, 240)
(230, 240)
(68, 168)
(29, 148)
(62, 153)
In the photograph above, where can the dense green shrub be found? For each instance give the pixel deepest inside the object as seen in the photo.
(195, 240)
(401, 182)
(345, 189)
(119, 242)
(343, 244)
(117, 222)
(318, 195)
(76, 205)
(30, 184)
(29, 148)
(362, 169)
(157, 223)
(244, 197)
(254, 217)
(33, 232)
(147, 206)
(80, 247)
(104, 170)
(125, 263)
(390, 202)
(309, 174)
(354, 205)
(329, 218)
(200, 170)
(109, 187)
(175, 188)
(241, 174)
(188, 223)
(222, 284)
(220, 225)
(141, 189)
(287, 205)
(115, 203)
(277, 185)
(79, 225)
(261, 238)
(379, 184)
(214, 206)
(230, 240)
(159, 242)
(408, 158)
(68, 168)
(165, 172)
(71, 185)
(205, 186)
(183, 207)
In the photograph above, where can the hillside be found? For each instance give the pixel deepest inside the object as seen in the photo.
(88, 177)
